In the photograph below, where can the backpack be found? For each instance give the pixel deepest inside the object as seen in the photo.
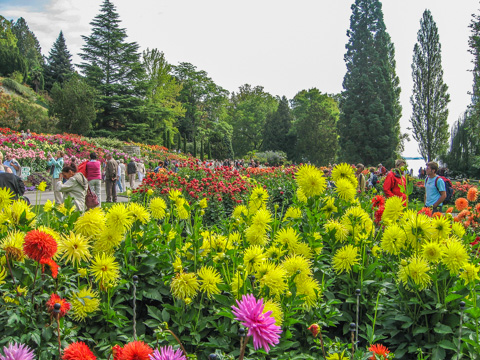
(448, 187)
(374, 180)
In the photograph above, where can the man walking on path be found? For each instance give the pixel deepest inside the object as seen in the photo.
(435, 192)
(131, 172)
(111, 179)
(56, 166)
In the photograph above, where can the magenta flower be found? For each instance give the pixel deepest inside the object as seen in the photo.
(167, 353)
(17, 351)
(260, 326)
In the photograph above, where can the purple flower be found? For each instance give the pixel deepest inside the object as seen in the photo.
(17, 352)
(167, 353)
(260, 326)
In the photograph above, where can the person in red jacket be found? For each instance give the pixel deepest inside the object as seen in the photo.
(395, 178)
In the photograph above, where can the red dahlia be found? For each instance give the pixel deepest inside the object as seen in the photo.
(78, 351)
(53, 266)
(379, 349)
(64, 305)
(136, 350)
(39, 245)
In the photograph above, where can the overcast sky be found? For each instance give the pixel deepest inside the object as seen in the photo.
(284, 46)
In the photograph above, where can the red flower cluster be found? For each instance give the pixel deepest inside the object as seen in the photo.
(427, 211)
(117, 352)
(378, 201)
(136, 350)
(64, 305)
(78, 351)
(379, 350)
(39, 245)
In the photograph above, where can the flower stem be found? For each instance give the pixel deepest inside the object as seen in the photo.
(242, 350)
(10, 269)
(34, 280)
(179, 342)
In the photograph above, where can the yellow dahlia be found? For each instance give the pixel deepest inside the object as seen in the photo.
(157, 208)
(345, 258)
(185, 285)
(209, 280)
(311, 180)
(74, 248)
(91, 223)
(345, 190)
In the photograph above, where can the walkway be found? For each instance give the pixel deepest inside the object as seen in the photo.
(48, 195)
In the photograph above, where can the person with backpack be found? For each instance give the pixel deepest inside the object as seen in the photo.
(56, 166)
(435, 192)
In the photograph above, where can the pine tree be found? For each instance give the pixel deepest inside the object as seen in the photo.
(277, 127)
(59, 66)
(369, 125)
(430, 98)
(112, 66)
(30, 49)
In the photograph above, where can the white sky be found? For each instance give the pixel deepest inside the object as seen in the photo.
(284, 46)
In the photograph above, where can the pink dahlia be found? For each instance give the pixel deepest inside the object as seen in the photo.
(17, 351)
(261, 326)
(167, 353)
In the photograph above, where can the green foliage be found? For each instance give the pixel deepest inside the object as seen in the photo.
(8, 116)
(20, 89)
(58, 67)
(461, 159)
(32, 116)
(7, 36)
(430, 98)
(203, 100)
(162, 90)
(112, 66)
(11, 60)
(277, 127)
(30, 49)
(316, 117)
(272, 158)
(247, 114)
(220, 142)
(369, 126)
(73, 103)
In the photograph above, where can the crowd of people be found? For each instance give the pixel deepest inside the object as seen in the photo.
(75, 180)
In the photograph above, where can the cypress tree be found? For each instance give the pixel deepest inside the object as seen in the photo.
(194, 147)
(58, 67)
(201, 150)
(430, 98)
(277, 127)
(369, 125)
(472, 121)
(112, 66)
(184, 143)
(209, 150)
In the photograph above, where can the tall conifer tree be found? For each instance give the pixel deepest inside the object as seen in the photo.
(430, 97)
(277, 127)
(112, 65)
(369, 125)
(59, 66)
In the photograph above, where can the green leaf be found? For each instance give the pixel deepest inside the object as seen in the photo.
(442, 329)
(420, 330)
(452, 297)
(446, 344)
(155, 313)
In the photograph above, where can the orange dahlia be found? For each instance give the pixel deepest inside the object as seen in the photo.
(461, 204)
(380, 350)
(136, 350)
(427, 211)
(477, 208)
(78, 351)
(64, 305)
(117, 352)
(39, 245)
(472, 194)
(53, 266)
(449, 210)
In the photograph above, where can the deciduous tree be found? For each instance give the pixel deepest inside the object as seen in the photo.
(430, 97)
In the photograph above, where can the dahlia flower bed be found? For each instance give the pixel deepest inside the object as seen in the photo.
(223, 188)
(33, 151)
(330, 275)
